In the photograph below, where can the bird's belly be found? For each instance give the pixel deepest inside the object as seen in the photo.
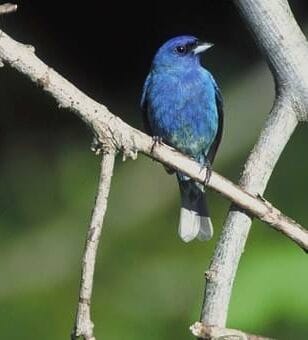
(182, 110)
(192, 133)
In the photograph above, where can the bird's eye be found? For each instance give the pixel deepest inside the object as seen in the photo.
(181, 49)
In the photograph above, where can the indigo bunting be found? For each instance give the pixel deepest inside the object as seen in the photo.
(182, 107)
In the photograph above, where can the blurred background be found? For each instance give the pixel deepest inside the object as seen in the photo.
(148, 283)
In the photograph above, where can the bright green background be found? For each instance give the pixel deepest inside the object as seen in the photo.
(148, 283)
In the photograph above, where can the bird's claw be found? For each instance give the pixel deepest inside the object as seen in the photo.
(96, 146)
(157, 140)
(208, 168)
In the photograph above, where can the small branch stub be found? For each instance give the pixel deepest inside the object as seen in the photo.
(7, 8)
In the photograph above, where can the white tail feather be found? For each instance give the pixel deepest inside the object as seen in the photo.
(193, 225)
(206, 229)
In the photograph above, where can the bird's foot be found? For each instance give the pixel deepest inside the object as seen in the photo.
(208, 167)
(157, 140)
(96, 146)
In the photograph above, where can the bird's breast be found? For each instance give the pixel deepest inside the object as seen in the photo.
(182, 110)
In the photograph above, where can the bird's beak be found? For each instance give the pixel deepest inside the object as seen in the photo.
(202, 46)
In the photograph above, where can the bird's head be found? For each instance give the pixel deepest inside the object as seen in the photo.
(182, 51)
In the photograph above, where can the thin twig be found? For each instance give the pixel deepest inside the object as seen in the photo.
(107, 126)
(213, 332)
(83, 324)
(7, 8)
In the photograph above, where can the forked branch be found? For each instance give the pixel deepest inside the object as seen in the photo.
(107, 126)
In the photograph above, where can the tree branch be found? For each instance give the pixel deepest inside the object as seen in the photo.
(83, 324)
(286, 50)
(111, 129)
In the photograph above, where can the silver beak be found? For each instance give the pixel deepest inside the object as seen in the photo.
(202, 47)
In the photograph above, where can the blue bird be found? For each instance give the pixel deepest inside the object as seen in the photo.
(182, 107)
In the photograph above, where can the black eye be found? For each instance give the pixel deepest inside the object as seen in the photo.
(181, 49)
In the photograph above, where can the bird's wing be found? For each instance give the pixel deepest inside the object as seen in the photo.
(144, 109)
(143, 105)
(219, 104)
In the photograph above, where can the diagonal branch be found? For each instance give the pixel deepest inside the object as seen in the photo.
(83, 324)
(108, 127)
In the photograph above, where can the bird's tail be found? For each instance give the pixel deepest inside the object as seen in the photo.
(194, 218)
